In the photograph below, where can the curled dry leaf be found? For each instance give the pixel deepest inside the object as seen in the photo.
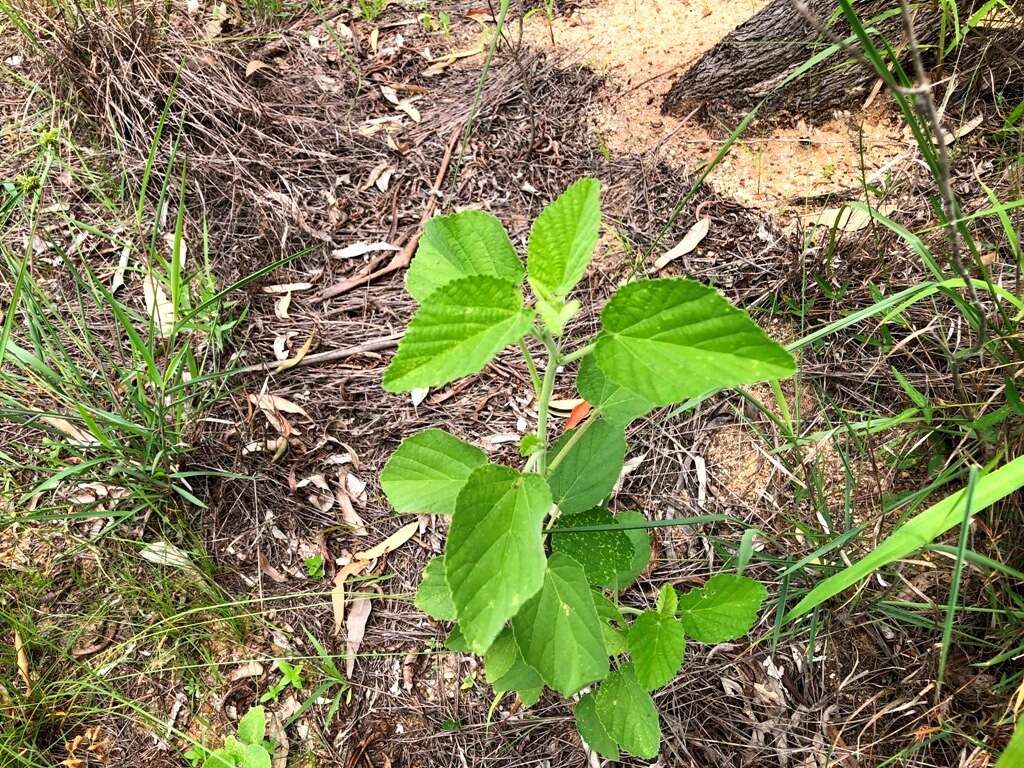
(243, 671)
(406, 106)
(268, 570)
(348, 512)
(259, 446)
(690, 241)
(390, 544)
(281, 306)
(355, 630)
(273, 407)
(254, 66)
(338, 592)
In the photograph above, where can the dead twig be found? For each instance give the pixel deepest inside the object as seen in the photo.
(402, 258)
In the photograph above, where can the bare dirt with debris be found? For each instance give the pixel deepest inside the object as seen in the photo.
(338, 141)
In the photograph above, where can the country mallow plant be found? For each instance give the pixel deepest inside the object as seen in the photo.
(535, 557)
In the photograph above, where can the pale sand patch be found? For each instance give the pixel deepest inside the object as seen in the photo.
(643, 45)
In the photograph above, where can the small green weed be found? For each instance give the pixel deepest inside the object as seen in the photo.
(249, 749)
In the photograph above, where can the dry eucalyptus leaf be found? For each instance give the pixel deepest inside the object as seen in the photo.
(389, 93)
(77, 437)
(338, 593)
(23, 664)
(267, 402)
(355, 630)
(847, 219)
(158, 307)
(356, 250)
(384, 180)
(390, 544)
(690, 241)
(287, 287)
(164, 553)
(117, 281)
(406, 106)
(249, 669)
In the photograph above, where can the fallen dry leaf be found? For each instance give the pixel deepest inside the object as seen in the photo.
(406, 106)
(243, 671)
(963, 130)
(287, 287)
(390, 544)
(117, 280)
(295, 359)
(349, 515)
(163, 553)
(418, 395)
(690, 241)
(847, 219)
(78, 437)
(355, 630)
(23, 666)
(268, 570)
(281, 306)
(356, 250)
(254, 66)
(158, 307)
(338, 592)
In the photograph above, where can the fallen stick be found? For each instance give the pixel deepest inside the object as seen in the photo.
(401, 259)
(374, 345)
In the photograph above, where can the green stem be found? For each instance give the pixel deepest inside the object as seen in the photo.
(581, 352)
(544, 401)
(531, 367)
(780, 401)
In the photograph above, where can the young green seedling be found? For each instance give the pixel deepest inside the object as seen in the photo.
(249, 750)
(535, 557)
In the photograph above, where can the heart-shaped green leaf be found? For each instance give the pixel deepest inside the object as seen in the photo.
(505, 668)
(457, 331)
(252, 726)
(558, 630)
(656, 645)
(562, 239)
(584, 476)
(494, 558)
(616, 403)
(461, 245)
(628, 714)
(669, 340)
(724, 609)
(590, 729)
(426, 473)
(640, 538)
(603, 554)
(434, 597)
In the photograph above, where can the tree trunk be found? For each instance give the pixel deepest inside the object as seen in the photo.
(750, 62)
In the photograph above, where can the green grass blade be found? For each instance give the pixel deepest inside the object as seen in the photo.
(918, 532)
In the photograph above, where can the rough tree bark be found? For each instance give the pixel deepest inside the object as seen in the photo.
(749, 63)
